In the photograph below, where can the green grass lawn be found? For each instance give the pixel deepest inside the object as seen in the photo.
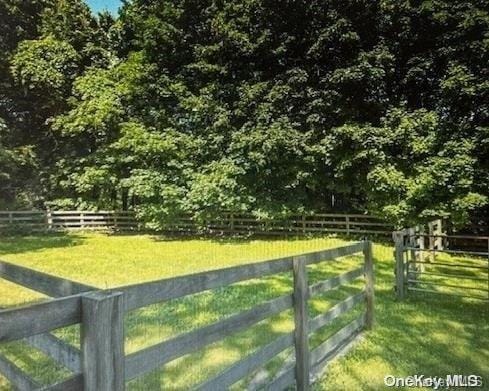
(430, 335)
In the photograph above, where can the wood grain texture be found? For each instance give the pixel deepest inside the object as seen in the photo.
(102, 338)
(18, 323)
(301, 320)
(41, 282)
(58, 350)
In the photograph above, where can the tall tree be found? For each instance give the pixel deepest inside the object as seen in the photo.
(20, 21)
(265, 106)
(47, 44)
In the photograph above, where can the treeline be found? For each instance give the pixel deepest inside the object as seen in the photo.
(256, 105)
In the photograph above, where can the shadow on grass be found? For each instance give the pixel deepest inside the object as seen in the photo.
(424, 334)
(243, 238)
(17, 244)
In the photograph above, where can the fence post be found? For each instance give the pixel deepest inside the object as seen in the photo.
(49, 219)
(369, 283)
(347, 218)
(303, 224)
(301, 317)
(102, 333)
(398, 237)
(10, 218)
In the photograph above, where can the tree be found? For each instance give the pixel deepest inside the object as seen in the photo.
(45, 68)
(47, 44)
(20, 21)
(269, 107)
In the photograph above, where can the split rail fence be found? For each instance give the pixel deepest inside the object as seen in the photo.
(100, 362)
(227, 223)
(430, 261)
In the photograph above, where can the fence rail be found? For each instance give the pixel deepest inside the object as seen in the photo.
(425, 262)
(226, 223)
(100, 363)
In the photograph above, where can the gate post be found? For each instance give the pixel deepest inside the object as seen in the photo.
(435, 229)
(398, 237)
(421, 245)
(102, 340)
(412, 268)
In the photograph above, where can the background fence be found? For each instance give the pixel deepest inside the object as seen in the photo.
(37, 220)
(100, 363)
(228, 223)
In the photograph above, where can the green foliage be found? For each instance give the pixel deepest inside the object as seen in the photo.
(45, 46)
(217, 187)
(46, 66)
(73, 22)
(269, 107)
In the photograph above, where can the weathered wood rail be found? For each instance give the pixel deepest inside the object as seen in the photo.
(226, 223)
(100, 363)
(60, 351)
(418, 267)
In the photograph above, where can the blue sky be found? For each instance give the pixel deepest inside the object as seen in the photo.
(99, 5)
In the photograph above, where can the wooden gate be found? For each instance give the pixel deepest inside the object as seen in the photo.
(432, 263)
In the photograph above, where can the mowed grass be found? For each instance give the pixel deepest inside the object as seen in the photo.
(425, 334)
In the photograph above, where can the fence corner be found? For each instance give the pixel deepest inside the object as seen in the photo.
(102, 340)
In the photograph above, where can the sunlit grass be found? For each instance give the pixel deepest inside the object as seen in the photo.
(108, 261)
(426, 335)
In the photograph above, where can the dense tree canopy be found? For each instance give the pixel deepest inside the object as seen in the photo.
(264, 106)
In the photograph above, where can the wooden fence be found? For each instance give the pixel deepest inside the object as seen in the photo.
(38, 220)
(227, 223)
(425, 263)
(100, 363)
